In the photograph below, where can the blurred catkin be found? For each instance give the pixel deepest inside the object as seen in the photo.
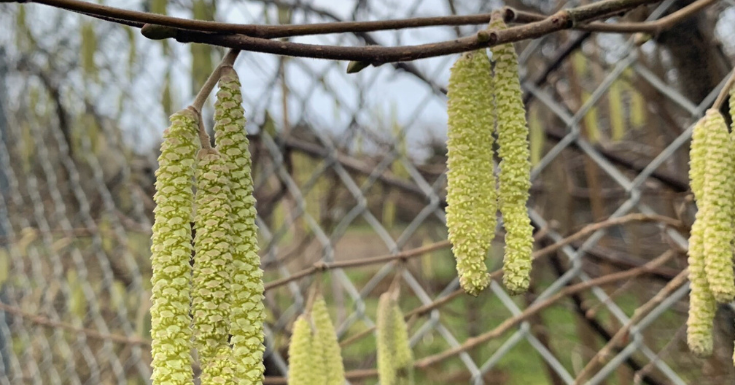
(171, 253)
(515, 167)
(326, 344)
(702, 303)
(212, 262)
(247, 310)
(717, 207)
(471, 196)
(395, 357)
(302, 366)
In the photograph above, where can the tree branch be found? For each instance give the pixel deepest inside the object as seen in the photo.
(640, 312)
(248, 39)
(509, 323)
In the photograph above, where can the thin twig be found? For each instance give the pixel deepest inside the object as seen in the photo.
(724, 92)
(495, 275)
(640, 374)
(261, 31)
(593, 227)
(651, 27)
(640, 312)
(212, 80)
(419, 251)
(221, 35)
(89, 333)
(321, 266)
(509, 323)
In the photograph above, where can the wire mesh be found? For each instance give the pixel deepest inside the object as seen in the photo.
(347, 167)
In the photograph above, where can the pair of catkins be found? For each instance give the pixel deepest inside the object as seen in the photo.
(315, 357)
(477, 101)
(712, 158)
(222, 295)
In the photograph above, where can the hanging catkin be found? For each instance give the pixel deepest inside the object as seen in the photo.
(212, 264)
(702, 304)
(326, 344)
(247, 311)
(717, 207)
(171, 252)
(471, 197)
(395, 357)
(302, 366)
(515, 167)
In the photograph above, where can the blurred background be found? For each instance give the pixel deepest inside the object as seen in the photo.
(351, 167)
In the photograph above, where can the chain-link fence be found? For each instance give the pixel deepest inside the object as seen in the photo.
(350, 168)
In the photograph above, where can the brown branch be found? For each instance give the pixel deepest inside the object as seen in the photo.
(321, 266)
(256, 30)
(509, 323)
(93, 334)
(212, 80)
(591, 228)
(650, 27)
(495, 275)
(637, 316)
(220, 34)
(724, 92)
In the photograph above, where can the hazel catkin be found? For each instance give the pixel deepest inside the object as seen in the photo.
(515, 166)
(326, 345)
(395, 357)
(702, 303)
(471, 196)
(717, 208)
(212, 262)
(247, 310)
(171, 252)
(302, 368)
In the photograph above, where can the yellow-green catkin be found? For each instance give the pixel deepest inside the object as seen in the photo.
(302, 366)
(326, 344)
(403, 359)
(219, 370)
(395, 357)
(515, 167)
(702, 304)
(171, 253)
(212, 260)
(471, 196)
(717, 207)
(247, 312)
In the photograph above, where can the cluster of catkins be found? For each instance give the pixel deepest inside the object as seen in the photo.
(712, 158)
(222, 294)
(314, 354)
(478, 100)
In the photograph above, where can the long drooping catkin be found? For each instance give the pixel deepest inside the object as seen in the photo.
(326, 344)
(395, 357)
(702, 303)
(171, 253)
(717, 207)
(471, 196)
(515, 167)
(212, 262)
(247, 314)
(302, 366)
